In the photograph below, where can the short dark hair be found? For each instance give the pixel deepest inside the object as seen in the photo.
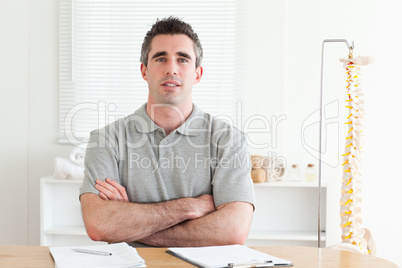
(171, 25)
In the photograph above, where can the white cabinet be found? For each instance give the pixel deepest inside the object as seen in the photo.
(287, 214)
(60, 220)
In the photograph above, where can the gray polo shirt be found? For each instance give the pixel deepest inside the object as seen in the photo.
(202, 156)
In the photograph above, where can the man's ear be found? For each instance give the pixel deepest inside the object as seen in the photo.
(144, 72)
(199, 72)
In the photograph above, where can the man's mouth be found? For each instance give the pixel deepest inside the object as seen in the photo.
(171, 84)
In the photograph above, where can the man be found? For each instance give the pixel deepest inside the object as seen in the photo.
(169, 174)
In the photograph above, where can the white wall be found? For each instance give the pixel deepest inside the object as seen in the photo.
(265, 69)
(284, 40)
(43, 104)
(29, 116)
(14, 130)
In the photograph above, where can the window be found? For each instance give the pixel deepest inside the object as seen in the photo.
(99, 50)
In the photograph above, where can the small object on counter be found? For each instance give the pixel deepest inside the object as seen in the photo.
(257, 161)
(311, 174)
(258, 175)
(274, 168)
(73, 168)
(266, 169)
(294, 173)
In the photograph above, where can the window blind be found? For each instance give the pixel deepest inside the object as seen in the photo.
(99, 50)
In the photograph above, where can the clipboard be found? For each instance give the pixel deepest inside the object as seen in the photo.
(183, 258)
(230, 265)
(232, 256)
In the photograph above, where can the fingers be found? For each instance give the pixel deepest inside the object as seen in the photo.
(103, 196)
(111, 190)
(121, 189)
(107, 191)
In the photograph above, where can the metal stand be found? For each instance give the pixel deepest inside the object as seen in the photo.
(350, 46)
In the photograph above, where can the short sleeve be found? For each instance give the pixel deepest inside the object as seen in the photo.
(231, 178)
(101, 161)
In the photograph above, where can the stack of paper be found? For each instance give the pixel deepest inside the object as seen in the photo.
(222, 256)
(121, 256)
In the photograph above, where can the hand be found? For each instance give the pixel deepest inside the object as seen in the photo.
(202, 205)
(111, 190)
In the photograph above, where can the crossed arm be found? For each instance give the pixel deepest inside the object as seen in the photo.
(110, 217)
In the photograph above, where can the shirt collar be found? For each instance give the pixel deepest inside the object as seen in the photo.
(194, 123)
(143, 122)
(191, 127)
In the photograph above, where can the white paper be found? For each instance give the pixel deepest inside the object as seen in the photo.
(221, 256)
(123, 256)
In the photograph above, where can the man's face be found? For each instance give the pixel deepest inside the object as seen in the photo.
(171, 71)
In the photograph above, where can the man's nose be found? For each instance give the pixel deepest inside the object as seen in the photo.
(171, 68)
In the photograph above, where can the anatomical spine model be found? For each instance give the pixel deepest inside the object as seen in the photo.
(351, 222)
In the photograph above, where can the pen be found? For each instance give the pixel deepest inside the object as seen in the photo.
(103, 253)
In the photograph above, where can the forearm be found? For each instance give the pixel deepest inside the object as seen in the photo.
(228, 225)
(116, 221)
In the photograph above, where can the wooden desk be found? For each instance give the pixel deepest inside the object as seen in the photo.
(307, 257)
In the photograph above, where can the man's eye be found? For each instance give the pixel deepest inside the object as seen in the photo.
(183, 60)
(160, 60)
